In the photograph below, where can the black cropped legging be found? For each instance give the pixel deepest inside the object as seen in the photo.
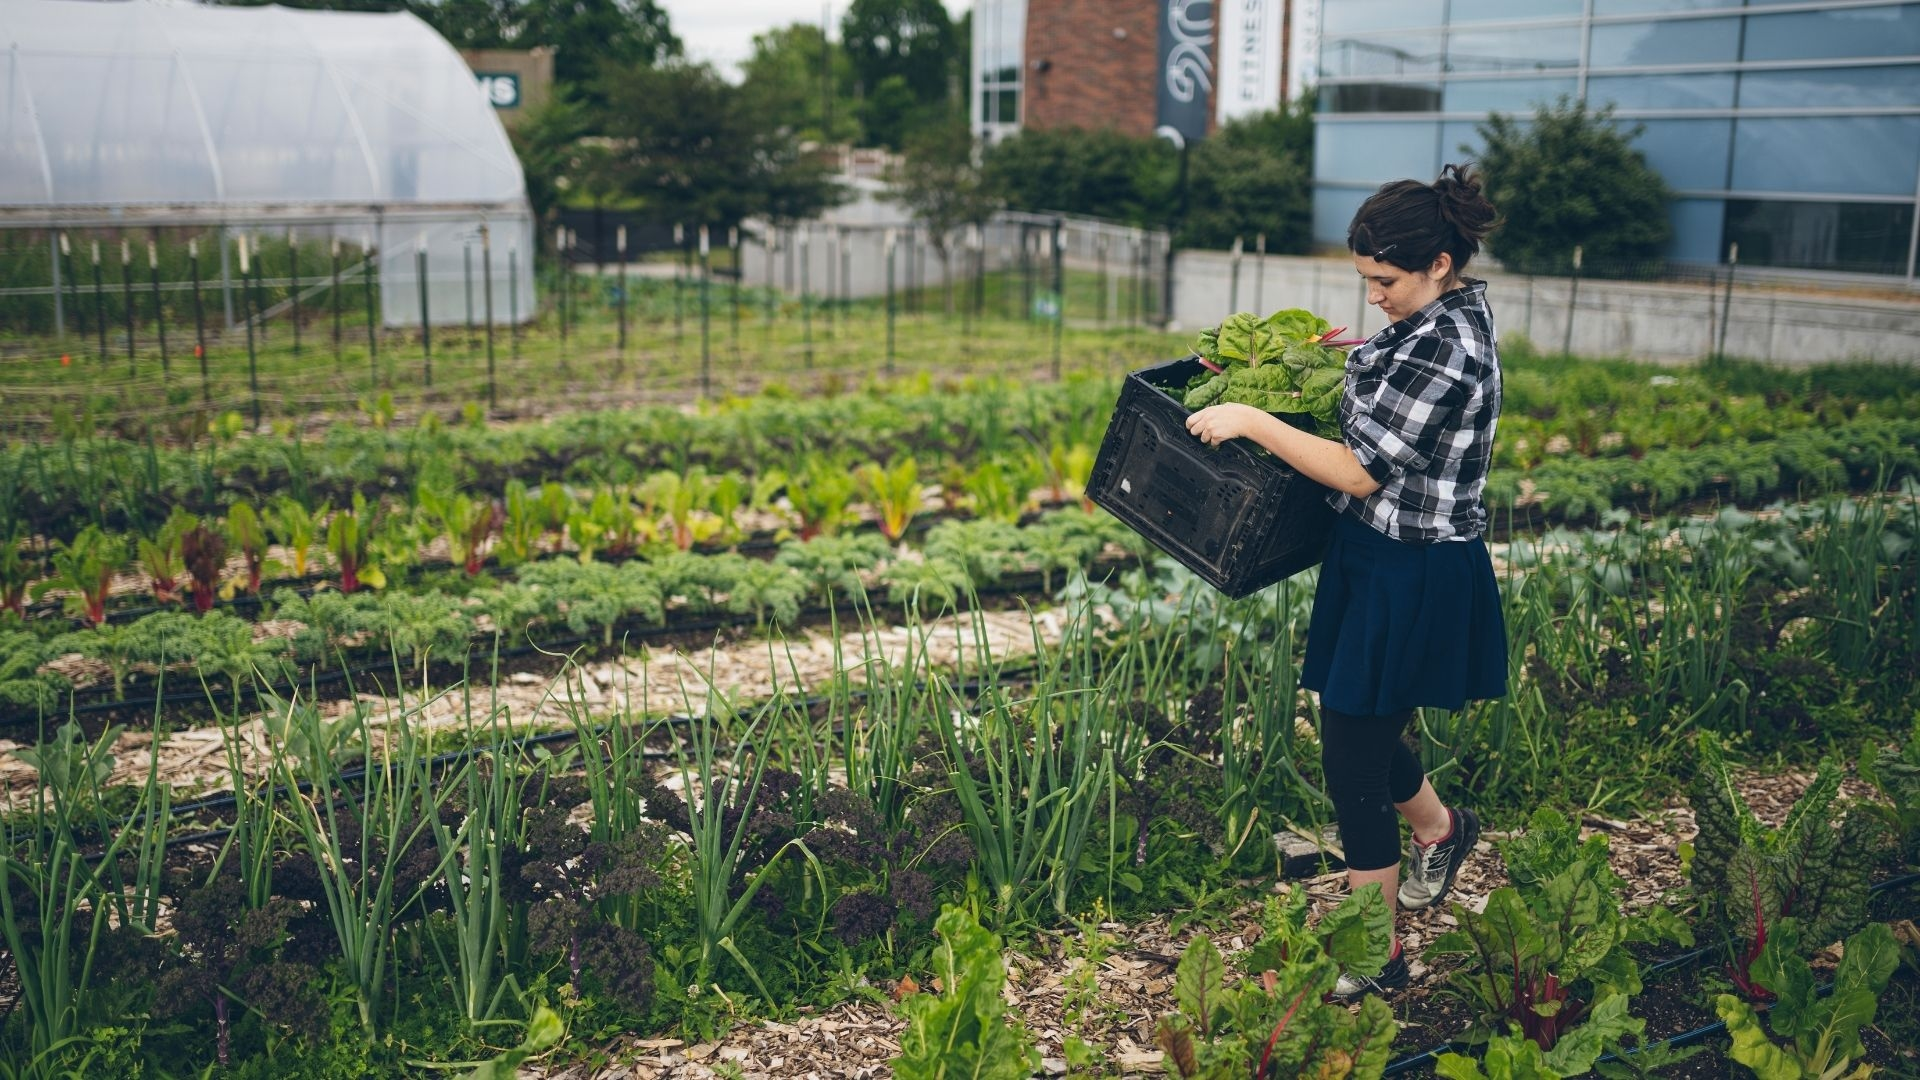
(1369, 769)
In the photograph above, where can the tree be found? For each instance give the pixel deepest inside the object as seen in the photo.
(1572, 178)
(797, 80)
(1253, 176)
(584, 34)
(1100, 173)
(912, 39)
(692, 149)
(940, 184)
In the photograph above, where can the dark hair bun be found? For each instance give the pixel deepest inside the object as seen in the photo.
(1463, 205)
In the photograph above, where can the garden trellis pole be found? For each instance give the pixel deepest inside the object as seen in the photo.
(126, 298)
(293, 264)
(679, 284)
(1726, 302)
(99, 303)
(56, 249)
(889, 245)
(426, 324)
(246, 318)
(333, 296)
(466, 265)
(1573, 302)
(513, 304)
(560, 252)
(1259, 272)
(1100, 254)
(806, 309)
(620, 347)
(739, 277)
(199, 322)
(1233, 276)
(966, 301)
(1059, 295)
(159, 313)
(372, 264)
(486, 272)
(706, 348)
(259, 273)
(771, 245)
(846, 272)
(833, 263)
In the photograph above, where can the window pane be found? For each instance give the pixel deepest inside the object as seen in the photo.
(1379, 97)
(1460, 139)
(1661, 91)
(1854, 155)
(1505, 95)
(1333, 210)
(1386, 54)
(1634, 7)
(1883, 31)
(1673, 41)
(1346, 16)
(1845, 87)
(1514, 50)
(1689, 154)
(1697, 225)
(1513, 10)
(1375, 153)
(1867, 238)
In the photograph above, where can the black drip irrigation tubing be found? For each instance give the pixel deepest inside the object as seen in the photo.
(1413, 1061)
(640, 634)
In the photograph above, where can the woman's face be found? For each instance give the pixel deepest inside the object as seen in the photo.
(1399, 293)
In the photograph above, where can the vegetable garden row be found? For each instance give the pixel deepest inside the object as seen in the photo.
(367, 907)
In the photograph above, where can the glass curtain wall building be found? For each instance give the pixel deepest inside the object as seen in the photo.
(1792, 129)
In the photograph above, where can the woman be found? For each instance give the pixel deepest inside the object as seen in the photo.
(1408, 612)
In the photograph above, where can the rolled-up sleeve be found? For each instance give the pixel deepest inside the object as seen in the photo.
(1424, 382)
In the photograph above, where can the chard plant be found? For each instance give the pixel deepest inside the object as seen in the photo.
(349, 539)
(521, 524)
(296, 528)
(1814, 867)
(84, 569)
(1287, 362)
(248, 535)
(1547, 955)
(17, 569)
(1277, 1021)
(1814, 1037)
(1068, 469)
(160, 554)
(819, 494)
(997, 493)
(466, 522)
(556, 505)
(963, 1029)
(894, 491)
(205, 552)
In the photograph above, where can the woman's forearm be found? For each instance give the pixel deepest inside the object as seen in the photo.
(1324, 461)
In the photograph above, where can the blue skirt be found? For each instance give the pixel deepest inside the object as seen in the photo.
(1399, 626)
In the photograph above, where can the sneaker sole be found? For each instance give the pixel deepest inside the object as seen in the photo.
(1470, 827)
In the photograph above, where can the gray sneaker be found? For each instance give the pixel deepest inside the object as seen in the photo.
(1430, 867)
(1353, 987)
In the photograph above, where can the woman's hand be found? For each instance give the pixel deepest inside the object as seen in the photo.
(1216, 424)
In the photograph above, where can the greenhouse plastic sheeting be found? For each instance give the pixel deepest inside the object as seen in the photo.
(148, 102)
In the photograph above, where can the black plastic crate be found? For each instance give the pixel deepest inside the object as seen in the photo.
(1236, 515)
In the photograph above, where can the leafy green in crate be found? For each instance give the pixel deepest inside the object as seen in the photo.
(1287, 362)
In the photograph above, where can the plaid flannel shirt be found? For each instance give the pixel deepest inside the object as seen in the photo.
(1422, 399)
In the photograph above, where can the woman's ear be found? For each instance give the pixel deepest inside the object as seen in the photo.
(1442, 268)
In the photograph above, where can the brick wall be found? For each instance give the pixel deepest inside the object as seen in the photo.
(1090, 64)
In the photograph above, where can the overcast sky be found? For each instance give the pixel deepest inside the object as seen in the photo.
(721, 31)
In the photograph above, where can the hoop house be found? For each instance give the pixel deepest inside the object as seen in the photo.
(368, 127)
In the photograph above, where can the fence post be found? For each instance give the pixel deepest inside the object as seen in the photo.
(372, 262)
(99, 303)
(1259, 272)
(199, 321)
(513, 303)
(259, 273)
(833, 262)
(56, 248)
(126, 298)
(466, 267)
(426, 323)
(560, 253)
(1573, 303)
(620, 354)
(1100, 254)
(1059, 296)
(739, 276)
(486, 285)
(293, 262)
(1233, 276)
(333, 296)
(706, 338)
(1726, 302)
(806, 310)
(246, 319)
(889, 245)
(159, 313)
